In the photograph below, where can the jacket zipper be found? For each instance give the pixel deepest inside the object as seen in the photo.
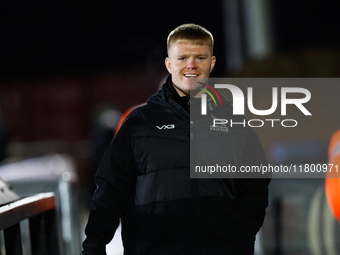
(194, 182)
(191, 130)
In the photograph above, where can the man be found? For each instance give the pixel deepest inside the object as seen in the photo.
(144, 177)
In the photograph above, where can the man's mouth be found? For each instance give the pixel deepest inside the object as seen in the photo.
(191, 75)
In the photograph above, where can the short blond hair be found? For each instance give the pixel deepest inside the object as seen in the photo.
(193, 33)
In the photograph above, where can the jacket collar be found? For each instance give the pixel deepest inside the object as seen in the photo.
(168, 97)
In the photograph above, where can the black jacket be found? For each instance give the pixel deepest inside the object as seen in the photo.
(144, 180)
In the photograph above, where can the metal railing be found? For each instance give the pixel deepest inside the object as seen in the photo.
(40, 211)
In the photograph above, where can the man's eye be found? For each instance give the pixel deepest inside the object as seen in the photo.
(181, 58)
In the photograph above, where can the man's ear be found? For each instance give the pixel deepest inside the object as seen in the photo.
(213, 62)
(168, 65)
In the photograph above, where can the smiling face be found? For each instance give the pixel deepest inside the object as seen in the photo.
(188, 61)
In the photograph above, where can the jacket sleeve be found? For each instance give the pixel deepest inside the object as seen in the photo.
(252, 189)
(115, 180)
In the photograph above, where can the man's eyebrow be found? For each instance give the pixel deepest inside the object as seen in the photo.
(198, 55)
(182, 55)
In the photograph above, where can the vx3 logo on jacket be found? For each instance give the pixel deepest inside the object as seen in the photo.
(169, 126)
(238, 105)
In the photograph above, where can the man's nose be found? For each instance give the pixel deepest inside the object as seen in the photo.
(191, 64)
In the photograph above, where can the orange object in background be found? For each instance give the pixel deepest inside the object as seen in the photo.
(125, 114)
(332, 182)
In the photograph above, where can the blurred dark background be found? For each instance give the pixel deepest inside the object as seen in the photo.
(67, 71)
(59, 39)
